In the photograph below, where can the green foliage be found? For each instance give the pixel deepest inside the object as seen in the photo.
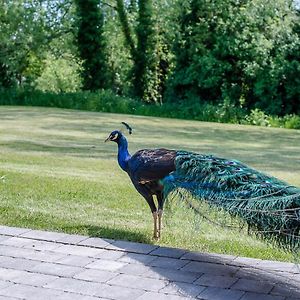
(92, 44)
(108, 101)
(239, 50)
(257, 117)
(215, 60)
(60, 74)
(260, 118)
(145, 79)
(27, 27)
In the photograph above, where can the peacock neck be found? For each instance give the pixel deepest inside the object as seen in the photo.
(123, 154)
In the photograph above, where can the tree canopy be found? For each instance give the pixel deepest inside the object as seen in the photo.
(242, 52)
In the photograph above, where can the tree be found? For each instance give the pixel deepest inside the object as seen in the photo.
(26, 29)
(144, 69)
(235, 51)
(92, 44)
(144, 49)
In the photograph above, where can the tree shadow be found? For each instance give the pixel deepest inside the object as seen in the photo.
(196, 274)
(110, 233)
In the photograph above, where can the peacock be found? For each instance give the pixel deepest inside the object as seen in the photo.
(265, 203)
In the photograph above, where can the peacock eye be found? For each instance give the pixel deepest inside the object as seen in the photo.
(114, 136)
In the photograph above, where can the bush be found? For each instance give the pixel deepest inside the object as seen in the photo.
(108, 101)
(257, 117)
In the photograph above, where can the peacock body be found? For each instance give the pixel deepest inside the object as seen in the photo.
(267, 204)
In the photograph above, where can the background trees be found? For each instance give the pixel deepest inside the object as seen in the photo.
(92, 44)
(241, 53)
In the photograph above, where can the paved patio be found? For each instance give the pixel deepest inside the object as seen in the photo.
(49, 265)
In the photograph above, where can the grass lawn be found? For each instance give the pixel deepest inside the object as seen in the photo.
(57, 174)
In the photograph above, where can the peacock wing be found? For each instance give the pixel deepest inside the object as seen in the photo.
(151, 164)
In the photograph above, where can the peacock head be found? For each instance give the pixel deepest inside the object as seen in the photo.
(115, 136)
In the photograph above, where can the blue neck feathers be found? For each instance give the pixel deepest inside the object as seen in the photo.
(123, 154)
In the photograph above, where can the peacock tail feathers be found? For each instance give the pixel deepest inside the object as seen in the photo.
(268, 205)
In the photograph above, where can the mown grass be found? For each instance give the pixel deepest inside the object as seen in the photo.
(57, 174)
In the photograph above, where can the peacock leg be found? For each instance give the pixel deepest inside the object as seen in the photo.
(160, 202)
(159, 214)
(146, 193)
(155, 230)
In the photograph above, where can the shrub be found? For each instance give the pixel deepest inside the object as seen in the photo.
(108, 101)
(257, 117)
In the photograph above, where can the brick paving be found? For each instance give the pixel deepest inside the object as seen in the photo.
(36, 264)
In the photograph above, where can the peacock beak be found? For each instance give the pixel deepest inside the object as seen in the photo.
(107, 140)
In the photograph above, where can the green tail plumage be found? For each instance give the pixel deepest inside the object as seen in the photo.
(268, 205)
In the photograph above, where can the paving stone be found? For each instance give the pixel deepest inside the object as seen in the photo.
(246, 261)
(40, 245)
(138, 282)
(17, 263)
(168, 263)
(286, 290)
(73, 296)
(210, 268)
(43, 235)
(44, 256)
(168, 252)
(79, 250)
(95, 275)
(107, 265)
(212, 293)
(182, 289)
(94, 242)
(249, 285)
(56, 269)
(16, 241)
(131, 247)
(75, 260)
(13, 231)
(208, 257)
(216, 281)
(71, 239)
(257, 296)
(296, 278)
(9, 274)
(29, 254)
(160, 296)
(295, 269)
(111, 255)
(30, 292)
(275, 265)
(33, 279)
(115, 292)
(136, 258)
(3, 238)
(172, 275)
(134, 269)
(265, 275)
(7, 298)
(4, 284)
(75, 286)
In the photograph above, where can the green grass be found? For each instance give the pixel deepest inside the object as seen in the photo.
(57, 174)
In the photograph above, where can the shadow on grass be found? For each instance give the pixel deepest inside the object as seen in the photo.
(118, 234)
(110, 233)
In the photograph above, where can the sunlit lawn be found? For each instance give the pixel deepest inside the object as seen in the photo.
(56, 173)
